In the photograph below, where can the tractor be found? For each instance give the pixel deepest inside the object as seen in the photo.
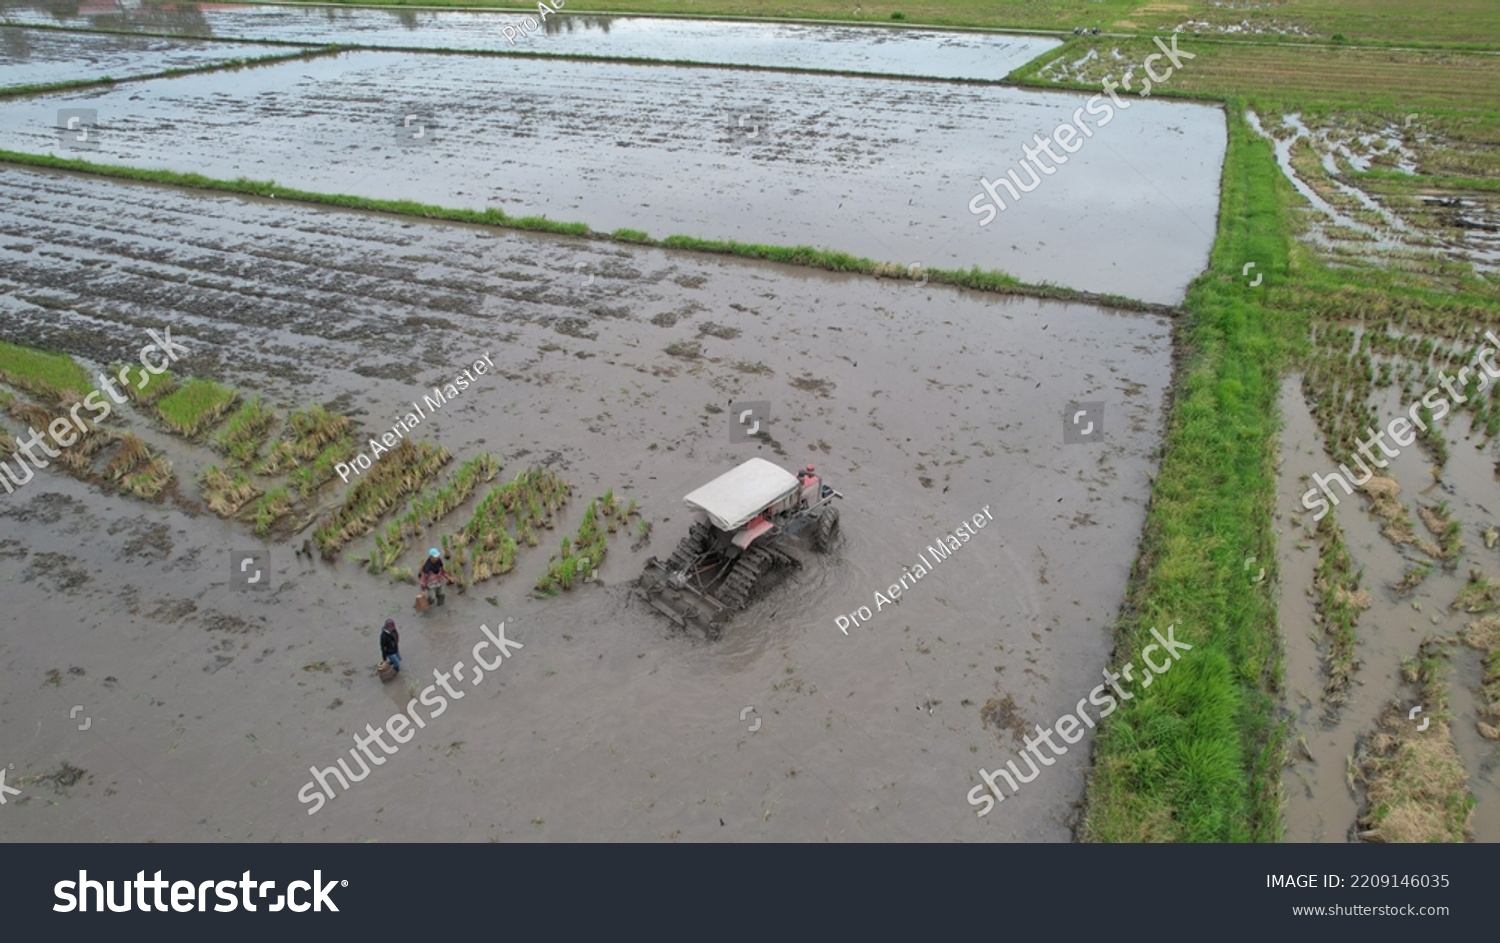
(743, 522)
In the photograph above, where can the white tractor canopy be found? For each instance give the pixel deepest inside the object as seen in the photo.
(741, 493)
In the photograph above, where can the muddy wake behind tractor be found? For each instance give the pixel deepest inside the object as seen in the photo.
(745, 523)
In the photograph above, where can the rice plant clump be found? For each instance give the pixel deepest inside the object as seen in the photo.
(402, 472)
(225, 495)
(580, 555)
(270, 508)
(245, 432)
(505, 518)
(47, 375)
(195, 406)
(148, 387)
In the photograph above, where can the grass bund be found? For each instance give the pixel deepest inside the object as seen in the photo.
(1197, 756)
(806, 256)
(1344, 21)
(73, 85)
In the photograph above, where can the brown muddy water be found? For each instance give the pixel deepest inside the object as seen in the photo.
(206, 705)
(39, 57)
(1321, 803)
(876, 49)
(882, 168)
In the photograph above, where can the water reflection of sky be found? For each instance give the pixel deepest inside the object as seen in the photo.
(846, 48)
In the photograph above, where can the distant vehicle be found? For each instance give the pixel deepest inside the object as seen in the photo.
(743, 521)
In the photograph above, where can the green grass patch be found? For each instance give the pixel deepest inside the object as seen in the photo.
(1197, 756)
(317, 440)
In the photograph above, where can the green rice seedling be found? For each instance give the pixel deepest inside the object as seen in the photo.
(507, 553)
(402, 574)
(225, 495)
(195, 406)
(143, 386)
(1479, 594)
(270, 508)
(483, 567)
(150, 481)
(316, 435)
(45, 374)
(323, 466)
(1433, 437)
(1411, 579)
(245, 432)
(400, 474)
(131, 455)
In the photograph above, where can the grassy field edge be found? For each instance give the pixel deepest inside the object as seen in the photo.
(1196, 757)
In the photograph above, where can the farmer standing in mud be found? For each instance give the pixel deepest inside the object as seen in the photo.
(433, 574)
(390, 644)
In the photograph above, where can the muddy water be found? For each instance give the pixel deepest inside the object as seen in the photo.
(882, 168)
(38, 57)
(877, 49)
(923, 406)
(1320, 804)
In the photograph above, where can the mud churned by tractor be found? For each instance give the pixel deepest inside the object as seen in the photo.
(747, 522)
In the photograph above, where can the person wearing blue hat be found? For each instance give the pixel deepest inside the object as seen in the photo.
(434, 575)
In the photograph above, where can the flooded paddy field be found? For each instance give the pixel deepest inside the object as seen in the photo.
(44, 57)
(1406, 591)
(882, 168)
(923, 52)
(614, 366)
